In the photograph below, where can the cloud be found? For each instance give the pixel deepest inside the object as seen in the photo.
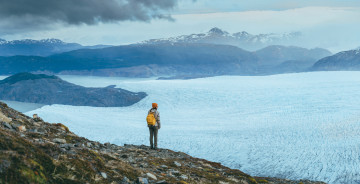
(17, 15)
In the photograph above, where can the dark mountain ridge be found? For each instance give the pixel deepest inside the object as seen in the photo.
(43, 47)
(146, 60)
(45, 89)
(189, 58)
(347, 60)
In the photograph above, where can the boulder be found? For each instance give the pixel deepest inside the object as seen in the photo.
(60, 141)
(151, 176)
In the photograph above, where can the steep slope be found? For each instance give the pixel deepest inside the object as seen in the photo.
(34, 151)
(44, 89)
(347, 60)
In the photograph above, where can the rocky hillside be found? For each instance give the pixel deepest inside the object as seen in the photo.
(45, 89)
(34, 151)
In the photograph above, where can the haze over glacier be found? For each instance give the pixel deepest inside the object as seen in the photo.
(296, 126)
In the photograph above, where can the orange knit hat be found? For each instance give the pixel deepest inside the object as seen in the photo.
(154, 105)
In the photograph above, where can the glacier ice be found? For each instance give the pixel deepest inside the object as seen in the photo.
(296, 126)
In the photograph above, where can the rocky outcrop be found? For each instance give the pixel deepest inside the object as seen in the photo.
(45, 89)
(34, 151)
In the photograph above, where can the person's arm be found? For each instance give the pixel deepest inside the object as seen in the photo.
(158, 120)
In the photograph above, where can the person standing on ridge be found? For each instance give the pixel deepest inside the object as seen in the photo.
(153, 121)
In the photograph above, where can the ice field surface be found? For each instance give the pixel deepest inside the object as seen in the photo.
(295, 126)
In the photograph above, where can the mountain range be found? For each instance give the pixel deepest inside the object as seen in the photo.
(242, 39)
(163, 59)
(43, 47)
(216, 52)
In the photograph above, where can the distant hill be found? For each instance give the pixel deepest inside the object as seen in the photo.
(45, 89)
(43, 47)
(347, 60)
(277, 54)
(241, 39)
(170, 58)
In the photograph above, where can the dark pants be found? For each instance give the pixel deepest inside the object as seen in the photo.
(153, 135)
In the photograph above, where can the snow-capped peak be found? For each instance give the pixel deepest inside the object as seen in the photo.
(357, 51)
(2, 41)
(242, 39)
(217, 31)
(242, 34)
(30, 41)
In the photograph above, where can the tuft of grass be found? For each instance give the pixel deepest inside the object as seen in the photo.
(63, 127)
(263, 181)
(252, 180)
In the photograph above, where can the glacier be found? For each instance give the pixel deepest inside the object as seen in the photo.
(295, 126)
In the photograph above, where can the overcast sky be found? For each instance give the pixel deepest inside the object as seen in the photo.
(331, 24)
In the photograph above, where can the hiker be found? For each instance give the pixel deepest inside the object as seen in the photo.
(153, 120)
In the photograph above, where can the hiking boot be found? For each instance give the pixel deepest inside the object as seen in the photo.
(155, 148)
(151, 147)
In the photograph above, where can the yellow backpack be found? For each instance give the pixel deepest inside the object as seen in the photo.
(150, 118)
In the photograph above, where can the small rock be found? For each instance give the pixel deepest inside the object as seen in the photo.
(125, 180)
(88, 144)
(142, 181)
(37, 124)
(66, 146)
(79, 144)
(161, 182)
(175, 172)
(4, 164)
(57, 140)
(151, 176)
(164, 166)
(42, 130)
(71, 152)
(183, 177)
(7, 125)
(62, 149)
(177, 164)
(15, 126)
(103, 175)
(33, 131)
(22, 128)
